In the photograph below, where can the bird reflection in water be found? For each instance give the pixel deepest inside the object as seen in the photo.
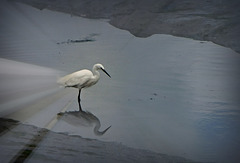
(83, 118)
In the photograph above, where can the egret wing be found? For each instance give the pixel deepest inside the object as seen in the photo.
(76, 79)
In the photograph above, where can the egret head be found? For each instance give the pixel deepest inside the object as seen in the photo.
(99, 66)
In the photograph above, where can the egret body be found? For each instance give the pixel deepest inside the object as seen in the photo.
(82, 79)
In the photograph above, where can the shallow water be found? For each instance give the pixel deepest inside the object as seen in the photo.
(167, 94)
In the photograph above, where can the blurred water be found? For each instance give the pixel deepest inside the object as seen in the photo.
(167, 94)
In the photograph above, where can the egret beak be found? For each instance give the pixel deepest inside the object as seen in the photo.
(105, 72)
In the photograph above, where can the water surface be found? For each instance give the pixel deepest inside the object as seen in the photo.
(167, 94)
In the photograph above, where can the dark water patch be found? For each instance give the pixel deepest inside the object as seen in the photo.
(90, 153)
(69, 41)
(89, 38)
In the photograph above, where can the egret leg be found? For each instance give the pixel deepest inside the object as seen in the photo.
(80, 108)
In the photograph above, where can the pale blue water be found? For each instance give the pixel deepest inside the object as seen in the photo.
(167, 94)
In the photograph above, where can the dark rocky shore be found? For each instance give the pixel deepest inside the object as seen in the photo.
(209, 20)
(21, 142)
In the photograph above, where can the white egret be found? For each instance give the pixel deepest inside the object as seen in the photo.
(82, 79)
